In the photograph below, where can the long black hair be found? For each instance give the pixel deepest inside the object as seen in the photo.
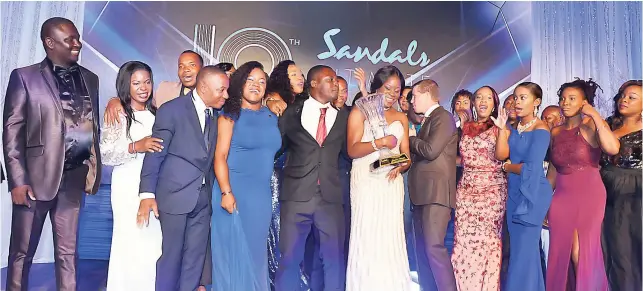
(383, 74)
(123, 80)
(616, 120)
(279, 82)
(232, 106)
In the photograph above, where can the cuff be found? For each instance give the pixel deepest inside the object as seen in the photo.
(146, 195)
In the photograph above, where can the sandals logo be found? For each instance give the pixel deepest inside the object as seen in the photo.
(379, 55)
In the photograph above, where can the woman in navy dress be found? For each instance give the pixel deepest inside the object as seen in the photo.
(248, 138)
(529, 193)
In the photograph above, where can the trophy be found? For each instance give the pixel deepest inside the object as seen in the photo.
(372, 106)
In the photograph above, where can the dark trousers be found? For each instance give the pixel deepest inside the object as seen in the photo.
(435, 271)
(26, 228)
(297, 221)
(185, 238)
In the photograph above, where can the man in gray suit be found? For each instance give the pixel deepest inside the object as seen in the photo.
(432, 186)
(51, 152)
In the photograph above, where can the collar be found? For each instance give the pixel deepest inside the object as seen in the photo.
(431, 109)
(317, 104)
(198, 102)
(53, 66)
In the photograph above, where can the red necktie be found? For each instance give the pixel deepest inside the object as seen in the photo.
(321, 127)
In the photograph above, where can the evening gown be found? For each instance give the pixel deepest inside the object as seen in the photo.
(480, 208)
(529, 196)
(621, 174)
(239, 240)
(377, 258)
(578, 204)
(134, 251)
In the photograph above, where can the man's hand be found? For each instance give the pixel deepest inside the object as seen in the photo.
(113, 111)
(19, 195)
(144, 208)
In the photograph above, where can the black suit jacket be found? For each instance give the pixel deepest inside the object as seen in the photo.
(34, 131)
(432, 174)
(175, 175)
(307, 161)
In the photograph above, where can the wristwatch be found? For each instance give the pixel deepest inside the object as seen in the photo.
(504, 164)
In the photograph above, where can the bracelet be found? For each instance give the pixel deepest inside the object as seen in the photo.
(226, 193)
(374, 145)
(131, 148)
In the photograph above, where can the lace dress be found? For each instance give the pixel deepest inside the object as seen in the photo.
(134, 250)
(621, 175)
(480, 209)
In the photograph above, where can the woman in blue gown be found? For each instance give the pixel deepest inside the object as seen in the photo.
(529, 192)
(248, 138)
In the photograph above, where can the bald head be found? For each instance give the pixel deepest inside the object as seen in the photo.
(212, 86)
(553, 116)
(47, 28)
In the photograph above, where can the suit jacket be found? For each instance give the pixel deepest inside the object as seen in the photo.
(175, 175)
(433, 172)
(307, 162)
(166, 91)
(34, 131)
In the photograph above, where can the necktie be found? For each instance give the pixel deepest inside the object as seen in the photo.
(321, 127)
(208, 121)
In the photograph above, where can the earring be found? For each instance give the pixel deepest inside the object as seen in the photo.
(535, 110)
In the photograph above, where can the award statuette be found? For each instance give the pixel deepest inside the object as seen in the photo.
(372, 106)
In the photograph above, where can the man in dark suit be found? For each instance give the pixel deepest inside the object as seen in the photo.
(51, 151)
(432, 186)
(180, 179)
(314, 134)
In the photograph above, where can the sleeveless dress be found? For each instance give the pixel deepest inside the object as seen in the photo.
(134, 251)
(480, 208)
(529, 196)
(578, 204)
(240, 240)
(377, 258)
(622, 175)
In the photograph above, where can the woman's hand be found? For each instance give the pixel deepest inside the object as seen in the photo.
(276, 104)
(148, 145)
(228, 202)
(389, 142)
(501, 121)
(360, 76)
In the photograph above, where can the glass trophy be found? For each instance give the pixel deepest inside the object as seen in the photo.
(372, 106)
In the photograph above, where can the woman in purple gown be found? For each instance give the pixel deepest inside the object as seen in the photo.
(577, 208)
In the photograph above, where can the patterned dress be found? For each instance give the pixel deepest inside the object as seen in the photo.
(480, 209)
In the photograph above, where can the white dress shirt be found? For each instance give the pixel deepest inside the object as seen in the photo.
(310, 116)
(431, 109)
(200, 107)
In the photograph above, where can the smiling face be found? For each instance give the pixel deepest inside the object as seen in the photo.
(629, 104)
(255, 86)
(296, 78)
(571, 101)
(140, 87)
(189, 66)
(391, 89)
(63, 44)
(484, 103)
(325, 86)
(342, 95)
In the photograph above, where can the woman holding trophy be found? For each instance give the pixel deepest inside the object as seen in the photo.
(378, 142)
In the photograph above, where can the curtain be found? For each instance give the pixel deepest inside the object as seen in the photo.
(21, 46)
(598, 40)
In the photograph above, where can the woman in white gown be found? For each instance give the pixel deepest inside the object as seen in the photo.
(377, 257)
(135, 248)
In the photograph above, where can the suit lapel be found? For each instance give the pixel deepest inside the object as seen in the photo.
(212, 134)
(300, 126)
(48, 75)
(335, 128)
(194, 120)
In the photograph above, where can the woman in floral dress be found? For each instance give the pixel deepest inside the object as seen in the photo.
(481, 196)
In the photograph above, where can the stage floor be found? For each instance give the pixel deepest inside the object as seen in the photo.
(92, 276)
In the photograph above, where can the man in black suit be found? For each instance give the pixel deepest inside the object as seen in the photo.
(314, 134)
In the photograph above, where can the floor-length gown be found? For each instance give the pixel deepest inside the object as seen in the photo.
(529, 196)
(377, 258)
(622, 175)
(134, 251)
(578, 204)
(480, 209)
(240, 240)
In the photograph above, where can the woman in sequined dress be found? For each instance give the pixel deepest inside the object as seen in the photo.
(480, 201)
(621, 175)
(577, 208)
(286, 83)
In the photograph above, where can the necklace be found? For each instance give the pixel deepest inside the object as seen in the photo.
(521, 128)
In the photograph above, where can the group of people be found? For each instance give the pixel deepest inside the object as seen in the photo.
(194, 161)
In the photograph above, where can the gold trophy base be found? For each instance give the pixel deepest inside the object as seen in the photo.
(386, 164)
